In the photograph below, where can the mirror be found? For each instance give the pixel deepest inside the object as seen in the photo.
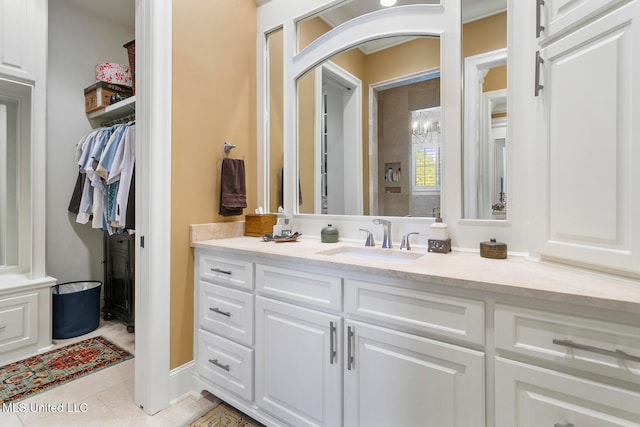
(14, 168)
(369, 130)
(275, 127)
(485, 145)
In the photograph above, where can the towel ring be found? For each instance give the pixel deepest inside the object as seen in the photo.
(227, 146)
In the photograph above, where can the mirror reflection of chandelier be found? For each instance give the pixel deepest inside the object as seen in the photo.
(425, 126)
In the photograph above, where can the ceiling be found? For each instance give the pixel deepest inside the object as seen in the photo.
(471, 9)
(122, 12)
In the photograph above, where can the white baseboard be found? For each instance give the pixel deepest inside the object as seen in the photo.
(181, 382)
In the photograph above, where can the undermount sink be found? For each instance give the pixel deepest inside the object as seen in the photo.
(372, 254)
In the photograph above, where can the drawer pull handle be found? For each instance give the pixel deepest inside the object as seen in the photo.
(3, 327)
(539, 26)
(219, 270)
(620, 354)
(217, 310)
(563, 425)
(332, 344)
(539, 62)
(219, 365)
(350, 358)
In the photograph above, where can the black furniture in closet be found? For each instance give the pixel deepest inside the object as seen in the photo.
(119, 278)
(119, 270)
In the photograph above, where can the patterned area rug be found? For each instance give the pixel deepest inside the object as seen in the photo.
(44, 371)
(224, 415)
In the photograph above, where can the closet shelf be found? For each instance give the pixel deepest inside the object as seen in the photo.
(113, 111)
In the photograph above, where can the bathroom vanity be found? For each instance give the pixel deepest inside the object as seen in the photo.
(310, 333)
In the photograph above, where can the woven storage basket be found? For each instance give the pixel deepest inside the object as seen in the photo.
(131, 50)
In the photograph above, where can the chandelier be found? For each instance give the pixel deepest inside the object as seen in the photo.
(425, 126)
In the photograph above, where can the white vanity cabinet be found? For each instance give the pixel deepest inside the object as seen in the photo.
(18, 321)
(565, 370)
(394, 376)
(298, 369)
(298, 366)
(19, 20)
(586, 95)
(399, 379)
(224, 323)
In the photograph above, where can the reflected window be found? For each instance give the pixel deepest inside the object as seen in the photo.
(426, 143)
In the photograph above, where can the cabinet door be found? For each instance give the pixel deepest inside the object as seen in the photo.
(558, 16)
(589, 172)
(119, 276)
(18, 36)
(397, 379)
(528, 396)
(298, 371)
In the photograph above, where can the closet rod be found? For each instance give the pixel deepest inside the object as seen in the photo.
(124, 119)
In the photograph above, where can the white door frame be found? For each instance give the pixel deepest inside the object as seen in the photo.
(351, 136)
(374, 88)
(153, 203)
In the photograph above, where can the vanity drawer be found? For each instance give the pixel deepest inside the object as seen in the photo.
(597, 346)
(458, 318)
(313, 289)
(18, 321)
(226, 364)
(226, 271)
(227, 312)
(528, 395)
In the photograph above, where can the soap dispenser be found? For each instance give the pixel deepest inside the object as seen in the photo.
(439, 240)
(439, 230)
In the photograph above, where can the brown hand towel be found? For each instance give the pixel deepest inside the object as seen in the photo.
(233, 194)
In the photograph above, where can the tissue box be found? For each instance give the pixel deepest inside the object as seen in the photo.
(257, 225)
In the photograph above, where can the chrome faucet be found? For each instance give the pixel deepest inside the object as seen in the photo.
(386, 238)
(369, 241)
(405, 246)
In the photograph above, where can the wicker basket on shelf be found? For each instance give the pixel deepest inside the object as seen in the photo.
(131, 50)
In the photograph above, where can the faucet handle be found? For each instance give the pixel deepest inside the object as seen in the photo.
(405, 246)
(369, 241)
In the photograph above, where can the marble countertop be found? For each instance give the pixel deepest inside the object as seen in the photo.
(512, 276)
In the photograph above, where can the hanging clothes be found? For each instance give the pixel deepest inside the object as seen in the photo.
(106, 158)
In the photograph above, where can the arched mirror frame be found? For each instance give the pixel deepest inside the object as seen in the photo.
(414, 20)
(443, 21)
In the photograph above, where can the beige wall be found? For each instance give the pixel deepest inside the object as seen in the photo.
(486, 35)
(214, 99)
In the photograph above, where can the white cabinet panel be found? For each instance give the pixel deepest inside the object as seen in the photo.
(298, 367)
(225, 311)
(318, 290)
(226, 364)
(18, 321)
(528, 396)
(398, 379)
(226, 271)
(596, 346)
(457, 318)
(558, 16)
(591, 180)
(18, 37)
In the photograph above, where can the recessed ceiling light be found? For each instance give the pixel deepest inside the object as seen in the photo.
(387, 3)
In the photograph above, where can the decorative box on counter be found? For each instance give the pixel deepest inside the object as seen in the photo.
(98, 94)
(257, 225)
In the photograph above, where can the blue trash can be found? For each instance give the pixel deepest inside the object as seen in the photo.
(76, 308)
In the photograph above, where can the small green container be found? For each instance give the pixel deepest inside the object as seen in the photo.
(329, 234)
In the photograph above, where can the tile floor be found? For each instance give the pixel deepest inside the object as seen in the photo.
(104, 398)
